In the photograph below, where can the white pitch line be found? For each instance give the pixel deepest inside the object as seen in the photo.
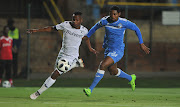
(115, 105)
(6, 102)
(119, 105)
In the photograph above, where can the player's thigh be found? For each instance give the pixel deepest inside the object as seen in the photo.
(116, 55)
(1, 66)
(2, 63)
(8, 66)
(71, 60)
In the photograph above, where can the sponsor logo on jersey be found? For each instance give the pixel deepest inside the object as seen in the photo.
(72, 33)
(6, 44)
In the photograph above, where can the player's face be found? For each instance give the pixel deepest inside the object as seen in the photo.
(6, 30)
(77, 20)
(114, 15)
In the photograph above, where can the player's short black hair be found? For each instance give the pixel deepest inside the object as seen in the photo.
(77, 13)
(115, 8)
(10, 21)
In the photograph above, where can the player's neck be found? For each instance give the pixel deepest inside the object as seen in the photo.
(12, 28)
(5, 34)
(110, 20)
(76, 27)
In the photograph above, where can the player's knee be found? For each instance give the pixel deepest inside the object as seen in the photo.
(55, 74)
(103, 66)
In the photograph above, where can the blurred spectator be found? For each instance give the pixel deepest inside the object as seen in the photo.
(6, 55)
(15, 35)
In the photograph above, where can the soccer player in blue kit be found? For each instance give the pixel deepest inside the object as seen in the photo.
(114, 47)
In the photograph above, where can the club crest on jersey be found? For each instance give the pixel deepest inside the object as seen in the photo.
(119, 25)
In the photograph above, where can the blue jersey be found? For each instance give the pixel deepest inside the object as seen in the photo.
(114, 32)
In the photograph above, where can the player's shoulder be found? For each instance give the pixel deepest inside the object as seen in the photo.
(103, 20)
(84, 29)
(123, 19)
(10, 38)
(65, 23)
(1, 37)
(105, 17)
(6, 38)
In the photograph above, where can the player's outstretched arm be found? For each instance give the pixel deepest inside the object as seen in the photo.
(45, 29)
(88, 43)
(133, 26)
(145, 48)
(93, 29)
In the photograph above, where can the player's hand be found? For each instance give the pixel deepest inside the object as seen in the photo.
(31, 31)
(14, 50)
(94, 51)
(145, 48)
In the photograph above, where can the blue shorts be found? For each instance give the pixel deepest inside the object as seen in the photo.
(116, 55)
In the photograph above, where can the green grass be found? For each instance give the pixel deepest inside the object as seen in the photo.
(101, 97)
(105, 82)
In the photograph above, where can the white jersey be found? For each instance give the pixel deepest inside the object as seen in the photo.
(72, 38)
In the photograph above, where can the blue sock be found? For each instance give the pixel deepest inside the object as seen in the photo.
(122, 74)
(99, 75)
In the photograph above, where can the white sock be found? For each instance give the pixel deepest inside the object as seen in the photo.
(119, 72)
(48, 83)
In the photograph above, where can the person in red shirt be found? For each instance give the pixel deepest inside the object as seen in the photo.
(6, 55)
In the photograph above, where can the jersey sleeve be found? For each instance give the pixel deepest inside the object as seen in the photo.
(86, 32)
(59, 26)
(95, 27)
(133, 26)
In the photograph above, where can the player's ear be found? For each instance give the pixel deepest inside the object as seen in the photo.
(119, 13)
(81, 20)
(72, 18)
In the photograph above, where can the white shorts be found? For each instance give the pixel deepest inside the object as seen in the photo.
(70, 59)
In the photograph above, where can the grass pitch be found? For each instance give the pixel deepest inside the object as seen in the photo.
(101, 97)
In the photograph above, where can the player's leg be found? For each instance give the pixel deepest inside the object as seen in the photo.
(80, 63)
(50, 80)
(77, 63)
(8, 74)
(118, 72)
(47, 84)
(121, 74)
(117, 55)
(99, 75)
(73, 61)
(1, 70)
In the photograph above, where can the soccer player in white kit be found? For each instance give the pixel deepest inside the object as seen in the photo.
(73, 33)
